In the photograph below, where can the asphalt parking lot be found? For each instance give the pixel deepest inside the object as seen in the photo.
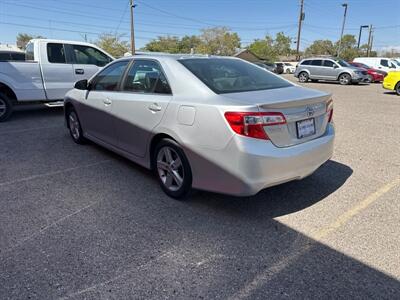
(79, 222)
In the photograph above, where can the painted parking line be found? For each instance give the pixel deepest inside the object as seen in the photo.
(264, 277)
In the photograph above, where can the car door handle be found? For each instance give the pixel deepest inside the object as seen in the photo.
(155, 107)
(79, 71)
(107, 101)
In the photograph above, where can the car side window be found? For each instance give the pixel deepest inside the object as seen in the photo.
(306, 62)
(146, 76)
(329, 63)
(86, 55)
(56, 53)
(29, 52)
(108, 79)
(384, 62)
(316, 62)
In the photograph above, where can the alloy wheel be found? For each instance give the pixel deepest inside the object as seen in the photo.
(3, 107)
(344, 79)
(303, 77)
(170, 168)
(74, 126)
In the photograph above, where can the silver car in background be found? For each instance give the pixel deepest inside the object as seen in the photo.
(329, 69)
(212, 123)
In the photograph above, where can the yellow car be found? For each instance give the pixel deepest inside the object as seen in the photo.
(392, 82)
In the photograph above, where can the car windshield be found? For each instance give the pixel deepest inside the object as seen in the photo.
(362, 65)
(224, 75)
(342, 63)
(287, 64)
(396, 62)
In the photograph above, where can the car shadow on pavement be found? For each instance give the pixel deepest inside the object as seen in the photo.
(282, 199)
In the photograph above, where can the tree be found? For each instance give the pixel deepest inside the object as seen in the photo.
(348, 48)
(113, 44)
(282, 44)
(321, 47)
(187, 43)
(264, 48)
(24, 38)
(218, 41)
(168, 44)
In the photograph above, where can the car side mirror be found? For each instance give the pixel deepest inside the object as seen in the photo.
(335, 66)
(82, 85)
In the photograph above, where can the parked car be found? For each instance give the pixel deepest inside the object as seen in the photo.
(280, 68)
(329, 69)
(269, 67)
(381, 63)
(212, 123)
(374, 75)
(50, 70)
(392, 82)
(10, 55)
(288, 68)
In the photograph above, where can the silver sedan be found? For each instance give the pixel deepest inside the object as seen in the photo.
(211, 123)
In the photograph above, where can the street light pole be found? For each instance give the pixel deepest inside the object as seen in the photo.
(344, 22)
(132, 6)
(359, 35)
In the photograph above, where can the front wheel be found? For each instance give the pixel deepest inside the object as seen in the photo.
(370, 79)
(303, 77)
(5, 107)
(172, 169)
(345, 79)
(397, 89)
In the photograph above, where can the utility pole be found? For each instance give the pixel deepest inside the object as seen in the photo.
(359, 35)
(369, 40)
(132, 6)
(301, 18)
(372, 41)
(344, 22)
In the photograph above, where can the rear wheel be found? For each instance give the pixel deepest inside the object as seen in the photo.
(345, 79)
(303, 77)
(172, 169)
(5, 107)
(397, 89)
(74, 127)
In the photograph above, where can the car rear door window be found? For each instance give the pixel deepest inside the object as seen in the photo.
(109, 78)
(146, 76)
(86, 55)
(56, 53)
(316, 62)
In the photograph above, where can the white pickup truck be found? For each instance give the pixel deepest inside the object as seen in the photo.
(50, 69)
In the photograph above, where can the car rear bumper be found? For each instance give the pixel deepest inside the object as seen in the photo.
(246, 165)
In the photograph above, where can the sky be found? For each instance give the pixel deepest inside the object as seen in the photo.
(251, 19)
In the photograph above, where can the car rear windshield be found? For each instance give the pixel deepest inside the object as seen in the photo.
(224, 75)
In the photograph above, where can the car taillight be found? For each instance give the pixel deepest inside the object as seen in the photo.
(329, 110)
(251, 124)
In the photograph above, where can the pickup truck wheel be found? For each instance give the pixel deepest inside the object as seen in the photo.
(74, 127)
(173, 169)
(345, 79)
(5, 107)
(397, 89)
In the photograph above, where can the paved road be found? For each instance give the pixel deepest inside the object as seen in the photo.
(78, 222)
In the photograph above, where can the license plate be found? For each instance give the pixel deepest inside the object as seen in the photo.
(305, 128)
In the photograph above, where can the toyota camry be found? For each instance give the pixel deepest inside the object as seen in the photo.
(211, 123)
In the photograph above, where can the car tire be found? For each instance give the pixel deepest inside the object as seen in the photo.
(397, 89)
(74, 127)
(6, 107)
(345, 79)
(288, 71)
(370, 79)
(303, 77)
(172, 169)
